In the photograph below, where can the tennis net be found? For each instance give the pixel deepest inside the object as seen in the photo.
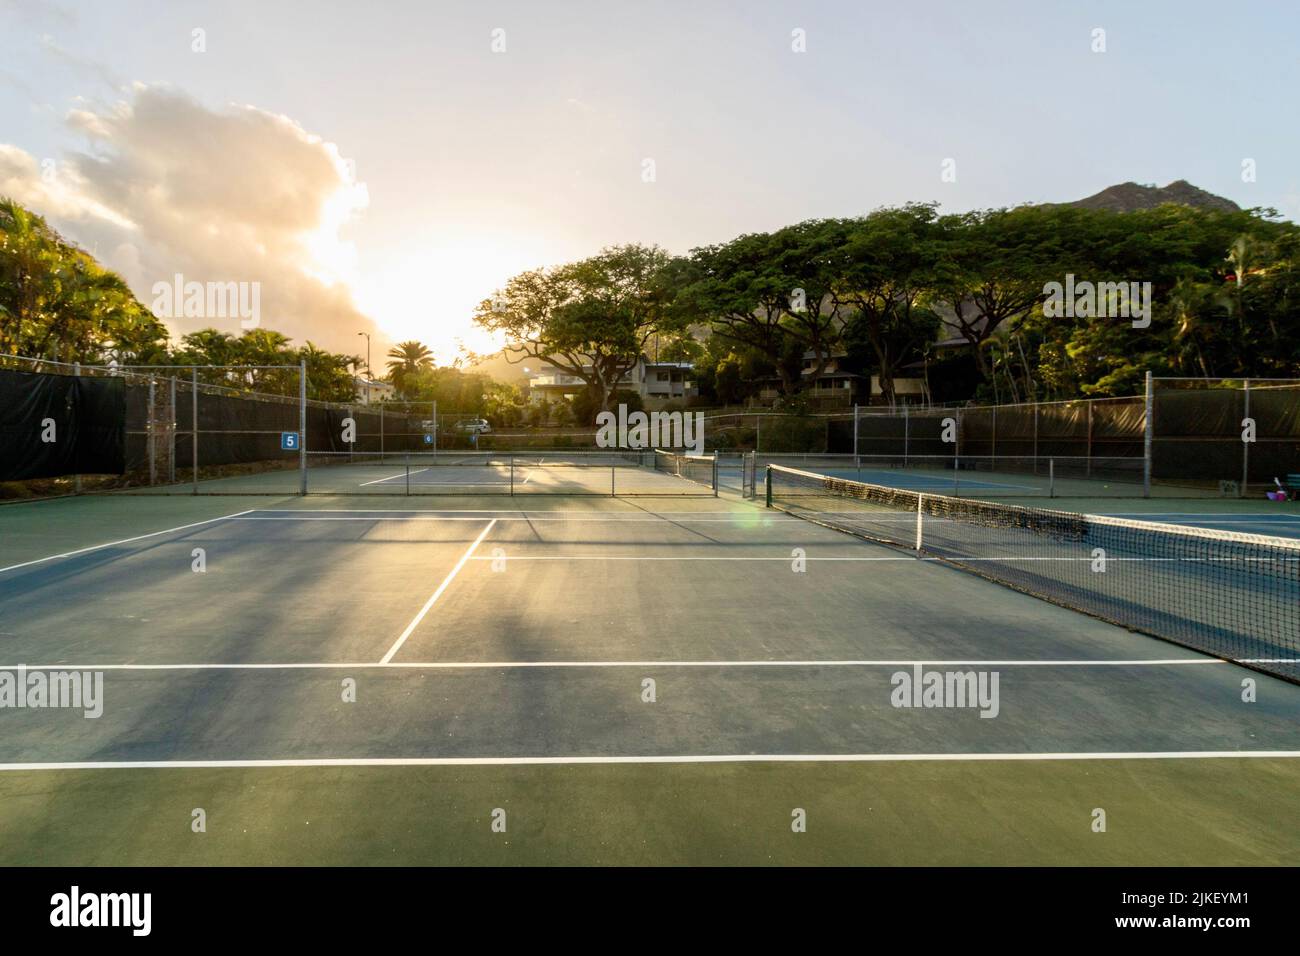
(698, 468)
(1235, 596)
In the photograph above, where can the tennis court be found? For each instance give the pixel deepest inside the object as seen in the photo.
(629, 680)
(648, 473)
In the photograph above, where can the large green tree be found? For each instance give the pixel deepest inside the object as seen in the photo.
(591, 319)
(889, 270)
(57, 303)
(772, 293)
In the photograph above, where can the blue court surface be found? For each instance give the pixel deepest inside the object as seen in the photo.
(1282, 525)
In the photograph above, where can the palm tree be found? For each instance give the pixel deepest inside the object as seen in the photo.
(406, 360)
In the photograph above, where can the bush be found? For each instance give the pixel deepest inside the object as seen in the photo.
(585, 407)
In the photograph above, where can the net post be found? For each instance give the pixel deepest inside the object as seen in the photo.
(381, 431)
(194, 428)
(956, 457)
(1245, 445)
(406, 460)
(715, 474)
(302, 425)
(512, 476)
(920, 512)
(1148, 431)
(76, 479)
(613, 472)
(435, 428)
(767, 479)
(1051, 477)
(855, 429)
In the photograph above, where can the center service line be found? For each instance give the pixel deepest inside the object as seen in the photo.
(437, 594)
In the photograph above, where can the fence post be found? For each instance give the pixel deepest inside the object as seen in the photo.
(76, 479)
(907, 432)
(194, 427)
(149, 424)
(1091, 403)
(1245, 445)
(302, 423)
(993, 438)
(1149, 431)
(171, 451)
(1035, 438)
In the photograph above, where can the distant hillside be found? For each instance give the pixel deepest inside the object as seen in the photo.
(1129, 197)
(496, 367)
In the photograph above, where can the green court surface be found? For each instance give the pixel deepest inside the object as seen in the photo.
(460, 473)
(503, 653)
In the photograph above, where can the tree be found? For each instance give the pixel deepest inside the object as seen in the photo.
(406, 360)
(772, 293)
(590, 319)
(57, 302)
(995, 265)
(889, 268)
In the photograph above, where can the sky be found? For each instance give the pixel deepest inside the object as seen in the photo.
(383, 167)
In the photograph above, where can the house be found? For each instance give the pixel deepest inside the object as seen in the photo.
(656, 382)
(372, 391)
(665, 382)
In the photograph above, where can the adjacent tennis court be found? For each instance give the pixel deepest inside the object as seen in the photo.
(628, 680)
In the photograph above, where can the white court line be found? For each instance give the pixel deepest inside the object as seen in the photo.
(502, 665)
(391, 477)
(649, 759)
(515, 516)
(748, 511)
(437, 594)
(911, 558)
(437, 484)
(110, 544)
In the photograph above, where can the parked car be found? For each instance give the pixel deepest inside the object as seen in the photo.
(473, 426)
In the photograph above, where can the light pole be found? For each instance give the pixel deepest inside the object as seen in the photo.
(369, 374)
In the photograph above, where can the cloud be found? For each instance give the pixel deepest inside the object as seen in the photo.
(81, 63)
(167, 185)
